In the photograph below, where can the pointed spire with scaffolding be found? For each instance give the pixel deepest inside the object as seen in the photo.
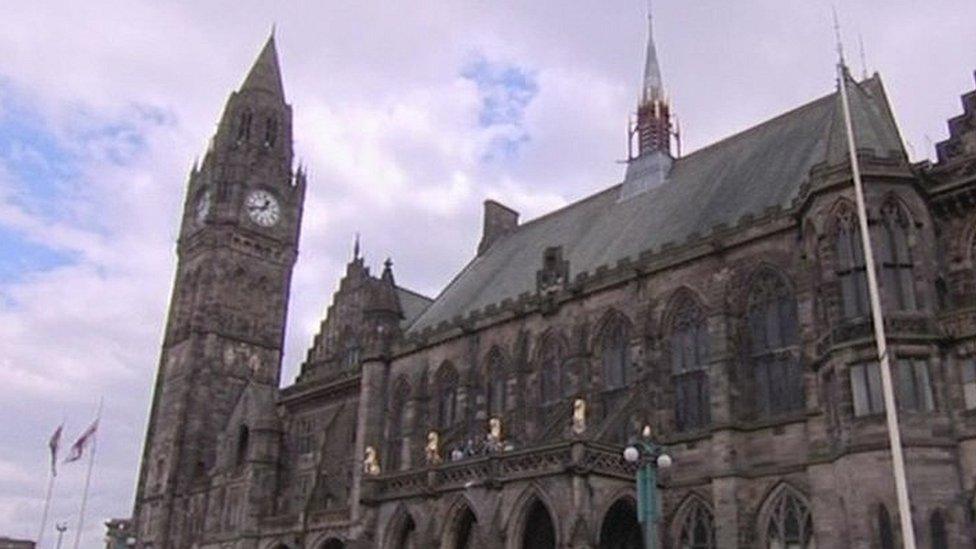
(649, 157)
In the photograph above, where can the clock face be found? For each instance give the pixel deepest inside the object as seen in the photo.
(203, 207)
(262, 208)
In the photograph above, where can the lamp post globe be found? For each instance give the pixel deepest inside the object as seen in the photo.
(631, 454)
(664, 461)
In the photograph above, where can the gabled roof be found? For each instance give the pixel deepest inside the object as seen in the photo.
(747, 173)
(412, 304)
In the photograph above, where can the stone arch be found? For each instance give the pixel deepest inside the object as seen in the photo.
(460, 528)
(520, 514)
(784, 508)
(401, 531)
(693, 523)
(619, 528)
(328, 540)
(674, 302)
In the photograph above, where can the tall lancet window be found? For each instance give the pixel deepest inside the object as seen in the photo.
(849, 266)
(689, 365)
(773, 345)
(551, 369)
(615, 354)
(495, 384)
(398, 424)
(447, 392)
(896, 259)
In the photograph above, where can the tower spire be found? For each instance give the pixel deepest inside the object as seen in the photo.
(650, 165)
(653, 88)
(265, 74)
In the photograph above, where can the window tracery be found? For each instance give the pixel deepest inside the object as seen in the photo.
(897, 268)
(790, 525)
(849, 266)
(697, 528)
(773, 337)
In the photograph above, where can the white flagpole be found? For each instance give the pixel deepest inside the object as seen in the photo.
(47, 506)
(91, 464)
(891, 412)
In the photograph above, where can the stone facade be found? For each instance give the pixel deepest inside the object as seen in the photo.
(745, 346)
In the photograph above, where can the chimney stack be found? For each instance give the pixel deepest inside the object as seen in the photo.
(500, 220)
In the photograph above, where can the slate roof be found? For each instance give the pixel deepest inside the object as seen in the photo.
(412, 304)
(746, 173)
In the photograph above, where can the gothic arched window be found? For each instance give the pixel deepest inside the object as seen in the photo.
(697, 528)
(447, 389)
(937, 530)
(398, 424)
(551, 370)
(773, 344)
(849, 266)
(790, 525)
(495, 384)
(614, 354)
(886, 535)
(689, 365)
(898, 279)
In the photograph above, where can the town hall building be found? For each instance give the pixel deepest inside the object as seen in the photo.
(718, 299)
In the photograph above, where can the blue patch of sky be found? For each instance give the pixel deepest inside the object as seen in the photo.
(506, 91)
(44, 169)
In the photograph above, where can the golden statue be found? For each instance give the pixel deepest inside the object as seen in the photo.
(495, 429)
(579, 416)
(493, 441)
(433, 448)
(371, 463)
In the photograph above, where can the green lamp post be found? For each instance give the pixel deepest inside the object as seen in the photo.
(650, 457)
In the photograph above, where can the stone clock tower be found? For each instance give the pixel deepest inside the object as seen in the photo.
(225, 329)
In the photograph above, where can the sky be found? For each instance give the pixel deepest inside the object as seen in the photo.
(408, 115)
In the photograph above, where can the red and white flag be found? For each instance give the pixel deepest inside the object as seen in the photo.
(78, 448)
(54, 444)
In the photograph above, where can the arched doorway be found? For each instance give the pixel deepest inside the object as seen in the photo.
(333, 543)
(539, 532)
(464, 535)
(620, 529)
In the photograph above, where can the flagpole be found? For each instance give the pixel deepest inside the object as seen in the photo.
(891, 412)
(47, 507)
(91, 464)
